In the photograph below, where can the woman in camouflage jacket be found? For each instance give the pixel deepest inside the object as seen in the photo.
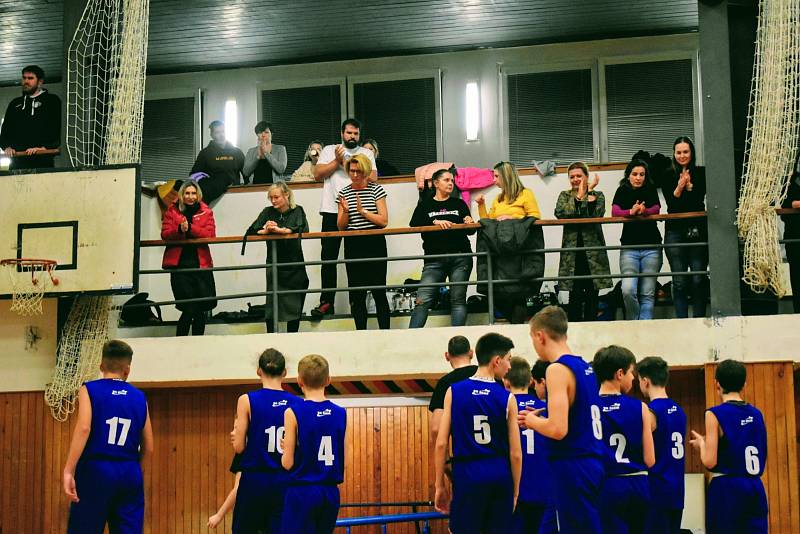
(582, 201)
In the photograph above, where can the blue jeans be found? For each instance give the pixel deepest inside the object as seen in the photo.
(639, 294)
(434, 271)
(687, 259)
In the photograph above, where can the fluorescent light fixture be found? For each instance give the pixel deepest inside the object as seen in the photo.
(473, 111)
(232, 122)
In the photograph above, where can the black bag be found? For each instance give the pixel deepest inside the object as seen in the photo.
(140, 315)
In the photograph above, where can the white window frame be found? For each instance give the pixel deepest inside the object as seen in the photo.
(436, 74)
(692, 55)
(561, 66)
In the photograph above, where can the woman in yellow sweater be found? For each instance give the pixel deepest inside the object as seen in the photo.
(514, 200)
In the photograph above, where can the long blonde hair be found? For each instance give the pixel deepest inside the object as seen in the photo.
(510, 184)
(184, 186)
(288, 193)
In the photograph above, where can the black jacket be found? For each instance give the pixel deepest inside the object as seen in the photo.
(32, 122)
(504, 240)
(223, 164)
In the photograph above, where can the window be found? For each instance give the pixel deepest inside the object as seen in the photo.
(648, 106)
(300, 115)
(401, 116)
(550, 117)
(168, 150)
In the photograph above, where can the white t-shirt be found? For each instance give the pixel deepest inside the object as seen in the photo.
(339, 178)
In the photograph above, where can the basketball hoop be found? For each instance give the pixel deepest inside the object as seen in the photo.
(27, 295)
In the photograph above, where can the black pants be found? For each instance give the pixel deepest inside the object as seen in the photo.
(793, 255)
(330, 251)
(582, 301)
(291, 326)
(195, 319)
(370, 273)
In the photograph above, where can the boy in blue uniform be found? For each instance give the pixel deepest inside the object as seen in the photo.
(257, 436)
(481, 417)
(734, 449)
(573, 425)
(314, 452)
(534, 512)
(628, 439)
(669, 437)
(103, 475)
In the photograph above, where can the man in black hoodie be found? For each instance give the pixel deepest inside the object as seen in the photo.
(221, 161)
(31, 131)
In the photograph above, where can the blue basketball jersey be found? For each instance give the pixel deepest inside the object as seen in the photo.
(669, 438)
(479, 419)
(742, 449)
(119, 412)
(319, 454)
(622, 434)
(585, 431)
(534, 486)
(265, 431)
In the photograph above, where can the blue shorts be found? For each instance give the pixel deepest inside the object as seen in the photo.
(481, 505)
(576, 484)
(624, 501)
(259, 503)
(534, 518)
(736, 505)
(663, 520)
(310, 509)
(109, 492)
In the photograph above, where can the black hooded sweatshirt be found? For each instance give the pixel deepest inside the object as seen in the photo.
(32, 121)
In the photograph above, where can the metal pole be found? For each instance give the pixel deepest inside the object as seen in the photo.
(490, 287)
(274, 249)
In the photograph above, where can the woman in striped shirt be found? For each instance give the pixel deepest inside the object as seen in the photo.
(362, 206)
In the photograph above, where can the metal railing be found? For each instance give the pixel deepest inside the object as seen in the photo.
(386, 519)
(273, 266)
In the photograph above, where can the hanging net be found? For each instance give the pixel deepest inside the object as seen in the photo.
(29, 279)
(105, 83)
(105, 104)
(79, 352)
(772, 135)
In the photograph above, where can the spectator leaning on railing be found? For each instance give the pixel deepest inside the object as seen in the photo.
(444, 211)
(684, 188)
(582, 200)
(637, 196)
(190, 218)
(284, 217)
(513, 202)
(362, 206)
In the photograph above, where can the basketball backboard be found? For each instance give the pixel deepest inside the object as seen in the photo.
(86, 220)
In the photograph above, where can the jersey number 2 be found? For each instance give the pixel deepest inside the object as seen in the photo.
(112, 430)
(325, 453)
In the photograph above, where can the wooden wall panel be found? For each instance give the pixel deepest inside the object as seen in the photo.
(770, 388)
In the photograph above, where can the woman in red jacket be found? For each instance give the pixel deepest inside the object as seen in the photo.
(190, 218)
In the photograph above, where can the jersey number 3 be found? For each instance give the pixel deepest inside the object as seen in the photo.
(112, 430)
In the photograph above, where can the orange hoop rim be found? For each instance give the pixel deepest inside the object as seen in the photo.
(31, 264)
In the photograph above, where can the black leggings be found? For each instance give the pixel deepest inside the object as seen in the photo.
(291, 326)
(194, 319)
(371, 273)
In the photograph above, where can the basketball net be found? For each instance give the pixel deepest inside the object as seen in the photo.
(27, 291)
(106, 65)
(772, 141)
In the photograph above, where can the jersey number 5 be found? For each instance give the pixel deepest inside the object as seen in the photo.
(481, 429)
(112, 430)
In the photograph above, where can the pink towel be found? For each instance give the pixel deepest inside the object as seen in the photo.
(424, 173)
(472, 178)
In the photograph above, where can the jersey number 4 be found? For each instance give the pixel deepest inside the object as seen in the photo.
(112, 430)
(325, 453)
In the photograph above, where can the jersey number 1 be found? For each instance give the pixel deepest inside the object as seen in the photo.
(112, 430)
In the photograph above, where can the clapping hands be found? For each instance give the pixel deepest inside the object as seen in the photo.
(638, 208)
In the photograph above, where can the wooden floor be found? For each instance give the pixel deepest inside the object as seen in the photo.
(391, 457)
